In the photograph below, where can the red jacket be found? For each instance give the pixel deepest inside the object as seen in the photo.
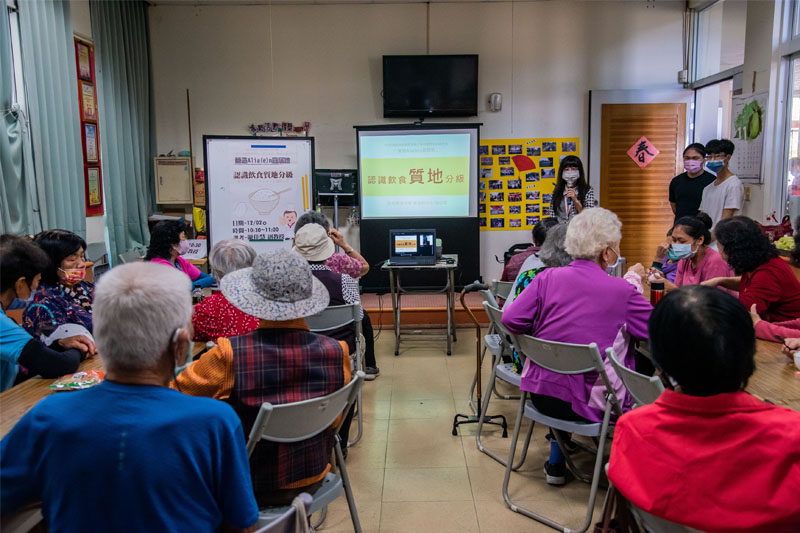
(724, 463)
(774, 289)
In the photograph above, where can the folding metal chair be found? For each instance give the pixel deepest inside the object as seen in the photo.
(294, 520)
(644, 389)
(130, 256)
(499, 289)
(563, 358)
(298, 421)
(24, 520)
(339, 316)
(503, 371)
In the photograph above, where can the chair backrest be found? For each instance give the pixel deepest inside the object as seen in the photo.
(502, 289)
(334, 316)
(130, 256)
(496, 317)
(488, 296)
(654, 524)
(294, 520)
(95, 251)
(98, 269)
(644, 389)
(293, 422)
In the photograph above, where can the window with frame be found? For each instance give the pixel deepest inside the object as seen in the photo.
(719, 38)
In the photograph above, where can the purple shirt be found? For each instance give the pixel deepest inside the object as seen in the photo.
(578, 304)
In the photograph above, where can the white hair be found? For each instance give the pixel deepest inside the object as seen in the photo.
(137, 307)
(230, 255)
(591, 231)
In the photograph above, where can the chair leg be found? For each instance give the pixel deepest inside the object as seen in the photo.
(359, 419)
(348, 490)
(322, 518)
(509, 463)
(525, 448)
(485, 409)
(570, 465)
(598, 464)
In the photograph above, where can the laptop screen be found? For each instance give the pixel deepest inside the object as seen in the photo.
(413, 243)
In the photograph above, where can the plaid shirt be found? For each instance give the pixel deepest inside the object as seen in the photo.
(281, 362)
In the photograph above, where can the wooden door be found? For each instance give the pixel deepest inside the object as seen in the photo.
(640, 196)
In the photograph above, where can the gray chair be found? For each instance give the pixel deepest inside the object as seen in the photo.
(501, 289)
(644, 389)
(130, 256)
(96, 252)
(98, 269)
(339, 316)
(500, 370)
(298, 421)
(294, 520)
(568, 359)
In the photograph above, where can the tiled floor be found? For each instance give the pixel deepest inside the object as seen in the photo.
(410, 474)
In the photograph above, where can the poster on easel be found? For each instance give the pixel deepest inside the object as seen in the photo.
(257, 187)
(747, 135)
(517, 178)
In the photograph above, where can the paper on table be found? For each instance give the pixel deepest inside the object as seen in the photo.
(66, 330)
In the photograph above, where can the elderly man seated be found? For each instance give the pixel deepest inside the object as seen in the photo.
(280, 362)
(130, 454)
(215, 317)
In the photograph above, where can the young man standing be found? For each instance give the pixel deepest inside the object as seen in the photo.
(722, 198)
(686, 189)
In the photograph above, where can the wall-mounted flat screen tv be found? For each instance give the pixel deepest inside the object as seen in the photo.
(430, 86)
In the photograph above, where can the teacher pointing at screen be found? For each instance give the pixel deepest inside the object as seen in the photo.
(572, 193)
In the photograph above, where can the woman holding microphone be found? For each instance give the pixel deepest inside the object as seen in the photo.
(572, 193)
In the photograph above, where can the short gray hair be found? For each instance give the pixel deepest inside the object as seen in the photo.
(312, 217)
(591, 231)
(230, 255)
(552, 252)
(137, 307)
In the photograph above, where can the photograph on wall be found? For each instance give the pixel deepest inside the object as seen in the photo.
(90, 134)
(487, 161)
(94, 189)
(517, 162)
(84, 64)
(88, 102)
(481, 208)
(482, 222)
(483, 150)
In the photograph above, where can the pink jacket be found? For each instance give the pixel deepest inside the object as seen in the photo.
(777, 331)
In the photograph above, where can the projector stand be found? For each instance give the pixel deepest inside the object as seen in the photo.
(336, 196)
(476, 418)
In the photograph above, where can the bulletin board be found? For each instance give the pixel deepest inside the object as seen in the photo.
(256, 188)
(517, 178)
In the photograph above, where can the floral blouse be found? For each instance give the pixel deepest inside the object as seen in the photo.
(344, 264)
(216, 317)
(53, 306)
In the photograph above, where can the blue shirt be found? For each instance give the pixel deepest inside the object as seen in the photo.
(129, 458)
(13, 339)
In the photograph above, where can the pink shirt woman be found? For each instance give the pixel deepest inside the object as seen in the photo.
(709, 266)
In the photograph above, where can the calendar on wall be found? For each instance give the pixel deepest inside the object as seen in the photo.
(517, 178)
(747, 133)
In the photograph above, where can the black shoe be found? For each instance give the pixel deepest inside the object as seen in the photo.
(371, 372)
(555, 474)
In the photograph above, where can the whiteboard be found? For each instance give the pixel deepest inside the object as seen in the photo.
(256, 187)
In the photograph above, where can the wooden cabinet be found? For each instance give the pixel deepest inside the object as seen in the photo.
(174, 180)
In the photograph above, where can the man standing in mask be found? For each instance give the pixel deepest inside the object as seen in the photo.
(686, 189)
(724, 197)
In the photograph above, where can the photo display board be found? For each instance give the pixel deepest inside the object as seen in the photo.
(256, 187)
(517, 178)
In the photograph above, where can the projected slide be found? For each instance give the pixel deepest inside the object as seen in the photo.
(409, 175)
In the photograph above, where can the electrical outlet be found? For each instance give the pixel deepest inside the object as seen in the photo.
(747, 194)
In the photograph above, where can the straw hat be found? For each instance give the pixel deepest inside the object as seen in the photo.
(279, 286)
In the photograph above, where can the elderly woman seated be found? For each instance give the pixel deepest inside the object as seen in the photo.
(62, 304)
(578, 304)
(168, 243)
(551, 255)
(215, 317)
(709, 455)
(131, 454)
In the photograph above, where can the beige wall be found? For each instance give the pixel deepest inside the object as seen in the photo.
(323, 64)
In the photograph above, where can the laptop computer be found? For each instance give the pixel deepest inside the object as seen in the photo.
(412, 246)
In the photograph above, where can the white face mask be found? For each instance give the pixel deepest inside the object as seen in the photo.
(611, 268)
(571, 177)
(189, 355)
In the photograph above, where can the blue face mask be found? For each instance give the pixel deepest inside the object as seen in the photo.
(680, 251)
(715, 166)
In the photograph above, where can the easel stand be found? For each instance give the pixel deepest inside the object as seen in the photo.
(474, 419)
